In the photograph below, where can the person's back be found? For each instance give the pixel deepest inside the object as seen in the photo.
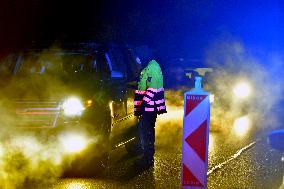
(149, 101)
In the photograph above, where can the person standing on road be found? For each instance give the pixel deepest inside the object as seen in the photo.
(149, 101)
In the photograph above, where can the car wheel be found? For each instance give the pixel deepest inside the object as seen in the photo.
(133, 147)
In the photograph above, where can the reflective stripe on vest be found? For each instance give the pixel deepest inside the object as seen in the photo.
(151, 103)
(150, 94)
(156, 90)
(160, 101)
(149, 109)
(161, 108)
(156, 102)
(138, 102)
(153, 100)
(146, 99)
(140, 92)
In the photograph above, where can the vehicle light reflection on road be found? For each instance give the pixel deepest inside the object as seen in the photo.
(242, 125)
(211, 143)
(76, 185)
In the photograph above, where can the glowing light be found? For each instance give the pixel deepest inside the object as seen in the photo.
(1, 151)
(73, 107)
(89, 102)
(73, 143)
(242, 125)
(211, 143)
(111, 108)
(76, 186)
(211, 97)
(242, 90)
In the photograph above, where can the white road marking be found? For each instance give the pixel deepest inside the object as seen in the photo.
(237, 154)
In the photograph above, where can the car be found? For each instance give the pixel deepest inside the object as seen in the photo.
(82, 98)
(231, 97)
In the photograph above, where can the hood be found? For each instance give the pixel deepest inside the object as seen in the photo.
(154, 66)
(47, 87)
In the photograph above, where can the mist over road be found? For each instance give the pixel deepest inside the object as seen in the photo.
(234, 162)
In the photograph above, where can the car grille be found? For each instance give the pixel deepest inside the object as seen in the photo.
(37, 114)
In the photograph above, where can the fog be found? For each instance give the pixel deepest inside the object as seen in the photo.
(38, 157)
(36, 153)
(236, 117)
(233, 63)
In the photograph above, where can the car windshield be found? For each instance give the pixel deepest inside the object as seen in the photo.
(56, 63)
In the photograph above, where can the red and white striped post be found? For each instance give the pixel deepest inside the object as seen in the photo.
(195, 137)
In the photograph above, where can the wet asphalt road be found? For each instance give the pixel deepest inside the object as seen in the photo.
(234, 162)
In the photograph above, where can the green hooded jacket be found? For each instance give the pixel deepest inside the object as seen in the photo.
(151, 77)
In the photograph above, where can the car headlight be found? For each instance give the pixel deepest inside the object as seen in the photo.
(73, 107)
(73, 143)
(242, 90)
(242, 125)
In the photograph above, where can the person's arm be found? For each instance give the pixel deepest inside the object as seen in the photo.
(139, 94)
(142, 85)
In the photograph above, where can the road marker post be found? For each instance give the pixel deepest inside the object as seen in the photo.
(195, 138)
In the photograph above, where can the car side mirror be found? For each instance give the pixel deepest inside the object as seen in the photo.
(276, 139)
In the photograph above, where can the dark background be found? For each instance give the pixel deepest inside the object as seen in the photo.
(173, 28)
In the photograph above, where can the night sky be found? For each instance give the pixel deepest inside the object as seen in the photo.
(174, 28)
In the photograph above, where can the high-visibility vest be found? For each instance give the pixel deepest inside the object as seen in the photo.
(150, 94)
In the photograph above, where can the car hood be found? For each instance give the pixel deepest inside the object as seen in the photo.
(48, 87)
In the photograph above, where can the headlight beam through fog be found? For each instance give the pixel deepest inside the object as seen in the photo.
(73, 143)
(73, 107)
(242, 90)
(242, 125)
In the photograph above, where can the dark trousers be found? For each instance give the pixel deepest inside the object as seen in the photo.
(146, 131)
